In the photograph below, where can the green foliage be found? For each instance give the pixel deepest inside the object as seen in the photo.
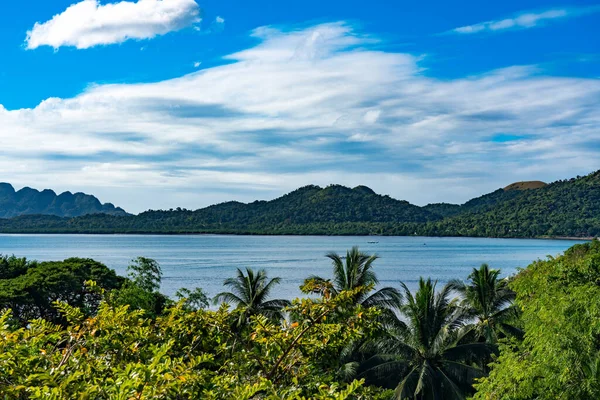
(250, 295)
(183, 354)
(487, 300)
(11, 267)
(563, 208)
(560, 353)
(140, 291)
(352, 272)
(427, 356)
(29, 289)
(145, 273)
(116, 338)
(193, 299)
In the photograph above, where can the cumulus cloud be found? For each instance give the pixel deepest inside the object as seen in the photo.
(317, 105)
(525, 20)
(88, 23)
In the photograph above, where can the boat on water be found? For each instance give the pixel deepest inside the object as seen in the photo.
(372, 241)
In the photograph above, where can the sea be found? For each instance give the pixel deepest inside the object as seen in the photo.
(204, 261)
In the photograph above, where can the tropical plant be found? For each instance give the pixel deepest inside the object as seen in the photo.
(145, 273)
(193, 299)
(487, 300)
(559, 355)
(250, 295)
(352, 272)
(182, 354)
(29, 289)
(426, 358)
(140, 291)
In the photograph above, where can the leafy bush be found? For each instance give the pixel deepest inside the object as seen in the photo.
(559, 357)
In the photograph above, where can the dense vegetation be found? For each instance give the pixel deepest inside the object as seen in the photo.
(28, 201)
(563, 208)
(533, 337)
(559, 356)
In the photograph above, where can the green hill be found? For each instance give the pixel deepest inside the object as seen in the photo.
(563, 208)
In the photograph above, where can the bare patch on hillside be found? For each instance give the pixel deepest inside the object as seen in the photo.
(525, 185)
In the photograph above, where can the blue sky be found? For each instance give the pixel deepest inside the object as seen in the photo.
(166, 103)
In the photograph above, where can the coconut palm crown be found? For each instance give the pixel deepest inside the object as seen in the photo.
(424, 357)
(354, 271)
(250, 292)
(487, 300)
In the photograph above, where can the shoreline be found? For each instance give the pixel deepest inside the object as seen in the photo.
(588, 238)
(585, 238)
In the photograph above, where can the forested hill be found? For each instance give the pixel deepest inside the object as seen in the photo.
(525, 209)
(485, 202)
(312, 204)
(563, 208)
(28, 201)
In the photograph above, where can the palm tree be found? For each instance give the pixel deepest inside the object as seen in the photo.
(352, 272)
(249, 294)
(487, 300)
(425, 357)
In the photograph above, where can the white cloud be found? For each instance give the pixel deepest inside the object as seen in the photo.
(361, 137)
(372, 116)
(197, 64)
(315, 105)
(88, 23)
(216, 26)
(525, 20)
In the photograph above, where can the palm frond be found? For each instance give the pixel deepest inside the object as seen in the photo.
(462, 374)
(347, 372)
(391, 322)
(264, 290)
(511, 330)
(339, 272)
(457, 285)
(393, 347)
(450, 389)
(470, 353)
(230, 298)
(508, 313)
(386, 297)
(385, 371)
(276, 304)
(407, 386)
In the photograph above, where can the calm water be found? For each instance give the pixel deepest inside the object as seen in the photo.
(206, 260)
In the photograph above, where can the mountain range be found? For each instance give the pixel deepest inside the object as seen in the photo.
(523, 209)
(29, 201)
